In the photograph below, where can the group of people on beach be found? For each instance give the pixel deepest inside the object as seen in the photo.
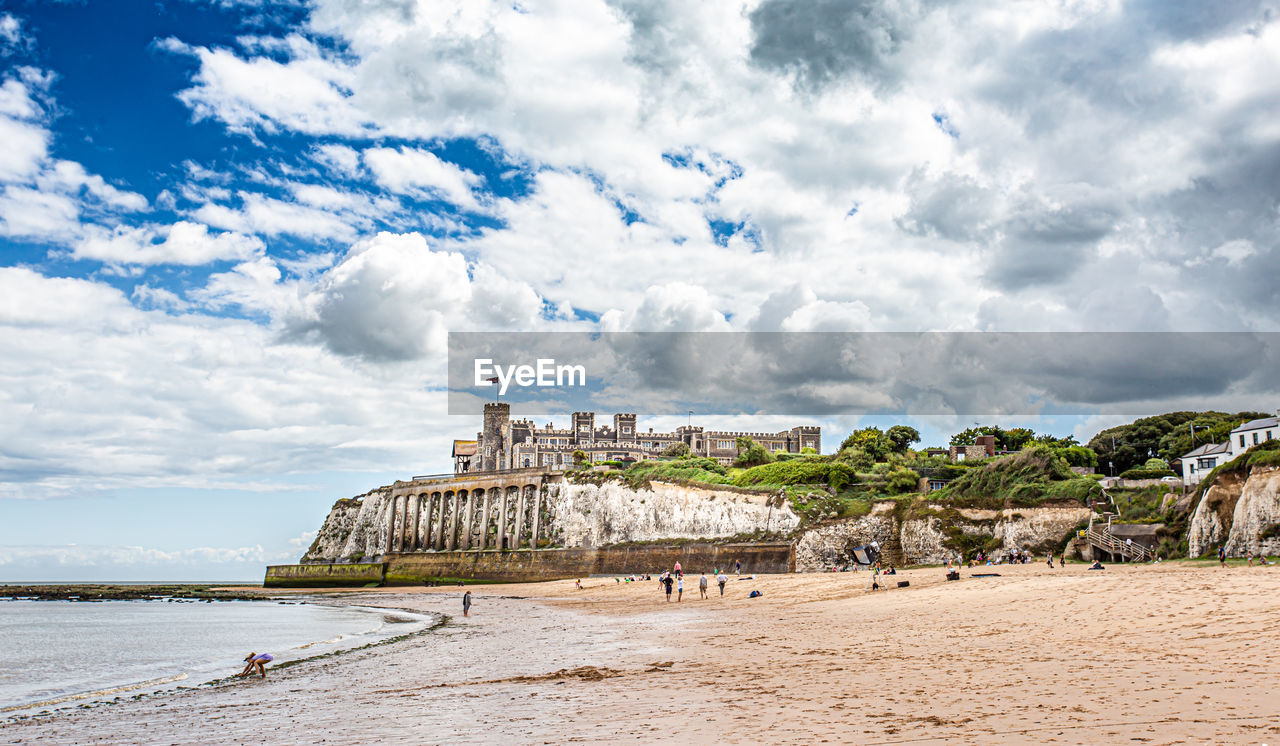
(673, 580)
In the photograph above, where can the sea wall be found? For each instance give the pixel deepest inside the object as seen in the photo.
(545, 564)
(579, 515)
(1241, 513)
(324, 576)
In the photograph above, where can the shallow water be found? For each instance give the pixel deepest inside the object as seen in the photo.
(53, 650)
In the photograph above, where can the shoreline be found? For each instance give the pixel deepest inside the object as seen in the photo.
(202, 678)
(1166, 652)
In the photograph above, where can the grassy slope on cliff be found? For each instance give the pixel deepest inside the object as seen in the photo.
(1025, 479)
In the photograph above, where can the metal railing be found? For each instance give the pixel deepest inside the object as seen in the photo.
(1104, 539)
(486, 474)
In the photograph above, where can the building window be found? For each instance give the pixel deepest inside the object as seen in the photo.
(526, 462)
(724, 445)
(1255, 439)
(1268, 435)
(1207, 463)
(936, 484)
(1242, 440)
(626, 429)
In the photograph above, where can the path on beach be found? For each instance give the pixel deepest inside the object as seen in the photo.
(1153, 654)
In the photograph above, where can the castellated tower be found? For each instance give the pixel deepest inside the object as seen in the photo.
(497, 416)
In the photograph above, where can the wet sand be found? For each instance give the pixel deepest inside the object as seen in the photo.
(1175, 653)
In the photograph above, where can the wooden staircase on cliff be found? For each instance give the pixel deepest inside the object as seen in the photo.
(1100, 538)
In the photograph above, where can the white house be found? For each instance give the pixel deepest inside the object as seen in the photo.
(1199, 462)
(1252, 433)
(1202, 460)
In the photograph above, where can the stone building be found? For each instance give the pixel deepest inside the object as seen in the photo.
(504, 443)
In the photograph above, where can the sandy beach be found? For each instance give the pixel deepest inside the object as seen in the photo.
(1172, 653)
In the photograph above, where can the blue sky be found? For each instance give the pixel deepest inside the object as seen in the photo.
(234, 234)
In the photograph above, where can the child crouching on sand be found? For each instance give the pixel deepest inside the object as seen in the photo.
(258, 661)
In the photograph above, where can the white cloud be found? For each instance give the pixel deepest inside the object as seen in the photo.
(339, 159)
(307, 93)
(30, 213)
(183, 242)
(170, 398)
(410, 170)
(10, 33)
(393, 298)
(126, 558)
(270, 216)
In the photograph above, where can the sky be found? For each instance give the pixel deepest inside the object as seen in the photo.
(235, 234)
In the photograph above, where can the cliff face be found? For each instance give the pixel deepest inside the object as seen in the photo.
(355, 529)
(934, 534)
(588, 515)
(582, 515)
(826, 546)
(1242, 512)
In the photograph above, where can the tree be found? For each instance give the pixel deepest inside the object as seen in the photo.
(902, 437)
(855, 457)
(679, 449)
(751, 453)
(1168, 436)
(872, 441)
(579, 457)
(1156, 463)
(1014, 439)
(1076, 455)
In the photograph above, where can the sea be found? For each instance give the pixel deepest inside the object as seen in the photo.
(65, 653)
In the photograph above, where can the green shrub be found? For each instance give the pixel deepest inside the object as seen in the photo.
(688, 469)
(1145, 473)
(803, 471)
(751, 453)
(1024, 479)
(676, 450)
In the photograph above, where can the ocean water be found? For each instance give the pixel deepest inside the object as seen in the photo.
(54, 653)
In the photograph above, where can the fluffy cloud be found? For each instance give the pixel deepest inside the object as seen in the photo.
(155, 398)
(393, 298)
(180, 243)
(419, 171)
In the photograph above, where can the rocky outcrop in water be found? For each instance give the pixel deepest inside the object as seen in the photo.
(1241, 513)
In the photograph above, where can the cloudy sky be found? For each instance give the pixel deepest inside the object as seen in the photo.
(233, 235)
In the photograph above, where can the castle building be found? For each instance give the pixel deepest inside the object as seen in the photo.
(504, 443)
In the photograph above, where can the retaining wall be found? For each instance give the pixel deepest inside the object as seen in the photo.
(324, 576)
(545, 564)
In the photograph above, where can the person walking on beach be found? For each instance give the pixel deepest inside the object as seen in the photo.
(680, 589)
(679, 572)
(721, 580)
(466, 604)
(257, 661)
(737, 567)
(668, 581)
(702, 585)
(1222, 556)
